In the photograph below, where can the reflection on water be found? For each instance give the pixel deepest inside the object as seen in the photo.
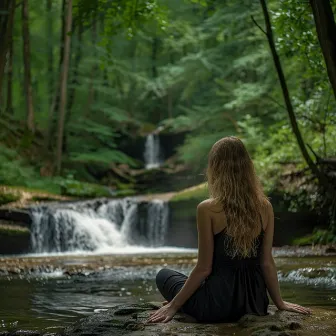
(54, 300)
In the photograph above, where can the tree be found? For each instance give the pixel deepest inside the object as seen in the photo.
(63, 86)
(27, 70)
(54, 107)
(9, 102)
(326, 32)
(7, 11)
(50, 73)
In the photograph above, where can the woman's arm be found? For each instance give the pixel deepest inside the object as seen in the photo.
(205, 254)
(199, 273)
(270, 271)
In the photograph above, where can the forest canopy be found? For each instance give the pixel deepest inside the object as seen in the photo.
(79, 79)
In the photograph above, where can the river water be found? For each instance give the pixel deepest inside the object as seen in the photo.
(93, 255)
(54, 297)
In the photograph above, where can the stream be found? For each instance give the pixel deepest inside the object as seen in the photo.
(88, 256)
(51, 298)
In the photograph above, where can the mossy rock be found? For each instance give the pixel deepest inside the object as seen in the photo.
(197, 193)
(82, 189)
(8, 197)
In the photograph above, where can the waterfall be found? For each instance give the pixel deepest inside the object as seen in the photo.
(152, 153)
(94, 226)
(157, 222)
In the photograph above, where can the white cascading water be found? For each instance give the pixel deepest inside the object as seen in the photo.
(107, 226)
(152, 153)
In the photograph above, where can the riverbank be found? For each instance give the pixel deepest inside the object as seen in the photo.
(88, 264)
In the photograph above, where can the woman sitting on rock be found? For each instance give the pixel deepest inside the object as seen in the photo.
(235, 267)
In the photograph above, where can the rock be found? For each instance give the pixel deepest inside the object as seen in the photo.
(16, 215)
(330, 249)
(131, 320)
(25, 333)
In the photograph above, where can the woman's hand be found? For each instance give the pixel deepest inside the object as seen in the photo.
(294, 308)
(164, 314)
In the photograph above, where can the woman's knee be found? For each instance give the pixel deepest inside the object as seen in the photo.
(161, 278)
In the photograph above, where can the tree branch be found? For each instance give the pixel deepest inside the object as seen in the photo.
(257, 24)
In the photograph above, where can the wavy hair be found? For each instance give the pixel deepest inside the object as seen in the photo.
(234, 185)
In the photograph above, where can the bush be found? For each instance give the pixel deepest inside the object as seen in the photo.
(72, 187)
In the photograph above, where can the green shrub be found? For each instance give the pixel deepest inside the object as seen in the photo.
(71, 187)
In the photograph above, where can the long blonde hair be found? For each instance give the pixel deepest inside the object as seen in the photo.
(233, 184)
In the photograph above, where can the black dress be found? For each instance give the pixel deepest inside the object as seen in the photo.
(234, 288)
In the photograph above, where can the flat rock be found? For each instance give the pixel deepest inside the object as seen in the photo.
(130, 320)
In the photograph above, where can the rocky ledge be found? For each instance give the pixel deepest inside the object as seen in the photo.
(130, 320)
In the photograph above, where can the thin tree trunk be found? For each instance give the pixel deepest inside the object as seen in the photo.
(63, 87)
(9, 107)
(326, 32)
(7, 11)
(50, 72)
(91, 91)
(74, 80)
(54, 107)
(312, 166)
(155, 45)
(170, 103)
(27, 70)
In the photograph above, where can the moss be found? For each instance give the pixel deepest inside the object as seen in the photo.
(199, 193)
(44, 199)
(321, 237)
(83, 189)
(8, 197)
(9, 230)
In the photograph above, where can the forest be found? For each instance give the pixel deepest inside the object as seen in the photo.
(83, 81)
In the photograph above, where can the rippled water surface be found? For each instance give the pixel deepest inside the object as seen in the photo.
(52, 300)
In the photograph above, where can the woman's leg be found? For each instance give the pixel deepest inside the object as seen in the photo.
(170, 282)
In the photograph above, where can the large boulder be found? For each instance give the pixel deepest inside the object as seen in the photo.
(130, 320)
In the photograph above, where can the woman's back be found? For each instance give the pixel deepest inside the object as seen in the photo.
(235, 285)
(234, 249)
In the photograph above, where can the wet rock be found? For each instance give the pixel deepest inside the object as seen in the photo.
(20, 216)
(131, 320)
(25, 333)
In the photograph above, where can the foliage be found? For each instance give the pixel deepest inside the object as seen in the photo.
(71, 187)
(318, 237)
(200, 67)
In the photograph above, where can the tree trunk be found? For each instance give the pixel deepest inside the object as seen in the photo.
(9, 102)
(312, 166)
(7, 11)
(27, 71)
(326, 32)
(54, 107)
(63, 86)
(74, 80)
(155, 45)
(91, 91)
(50, 72)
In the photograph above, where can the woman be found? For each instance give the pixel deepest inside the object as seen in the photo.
(235, 267)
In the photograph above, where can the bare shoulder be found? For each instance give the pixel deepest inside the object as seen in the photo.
(268, 207)
(206, 205)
